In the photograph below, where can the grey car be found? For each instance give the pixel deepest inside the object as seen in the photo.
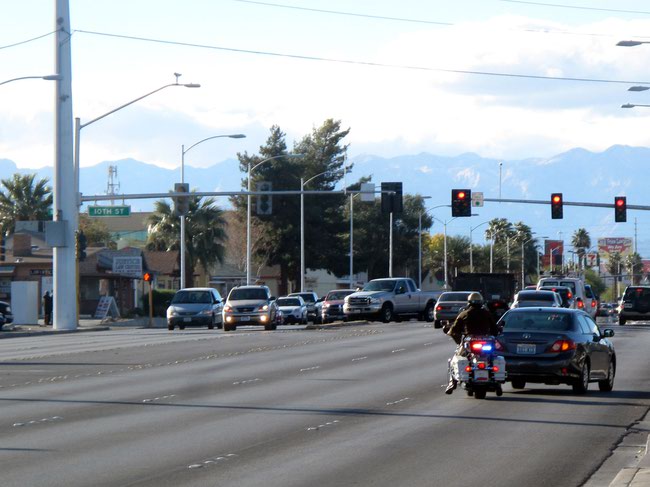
(448, 306)
(195, 306)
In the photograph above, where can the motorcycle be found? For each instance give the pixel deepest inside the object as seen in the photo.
(478, 369)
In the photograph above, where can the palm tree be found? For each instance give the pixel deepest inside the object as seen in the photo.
(634, 266)
(204, 232)
(581, 241)
(499, 231)
(22, 200)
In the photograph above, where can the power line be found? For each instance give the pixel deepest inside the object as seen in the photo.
(421, 21)
(578, 7)
(26, 41)
(363, 63)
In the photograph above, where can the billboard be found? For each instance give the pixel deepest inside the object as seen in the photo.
(554, 248)
(610, 245)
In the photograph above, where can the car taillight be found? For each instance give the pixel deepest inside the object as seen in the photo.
(438, 308)
(581, 304)
(562, 346)
(593, 303)
(569, 294)
(481, 365)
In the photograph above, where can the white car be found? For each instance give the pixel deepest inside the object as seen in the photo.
(577, 287)
(537, 299)
(294, 309)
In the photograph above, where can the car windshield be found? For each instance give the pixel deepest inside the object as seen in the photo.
(535, 296)
(453, 297)
(198, 297)
(379, 286)
(337, 295)
(288, 302)
(245, 294)
(536, 321)
(306, 297)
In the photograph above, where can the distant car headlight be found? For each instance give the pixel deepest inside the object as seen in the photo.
(172, 312)
(326, 305)
(8, 310)
(227, 309)
(264, 307)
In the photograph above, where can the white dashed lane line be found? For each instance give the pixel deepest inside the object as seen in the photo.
(310, 368)
(359, 358)
(38, 421)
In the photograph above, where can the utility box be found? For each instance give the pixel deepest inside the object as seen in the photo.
(25, 302)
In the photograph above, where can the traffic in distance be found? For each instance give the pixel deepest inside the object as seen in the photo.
(546, 333)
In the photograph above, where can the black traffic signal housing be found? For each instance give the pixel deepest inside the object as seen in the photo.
(461, 202)
(264, 204)
(3, 245)
(557, 209)
(391, 198)
(81, 242)
(181, 203)
(620, 209)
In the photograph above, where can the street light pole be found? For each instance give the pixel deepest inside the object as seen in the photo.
(49, 77)
(182, 217)
(248, 208)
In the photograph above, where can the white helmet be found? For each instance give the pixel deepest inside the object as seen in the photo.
(475, 298)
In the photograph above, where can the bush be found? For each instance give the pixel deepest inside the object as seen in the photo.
(161, 299)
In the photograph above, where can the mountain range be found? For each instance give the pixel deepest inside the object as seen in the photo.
(582, 176)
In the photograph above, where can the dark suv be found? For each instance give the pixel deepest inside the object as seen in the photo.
(635, 305)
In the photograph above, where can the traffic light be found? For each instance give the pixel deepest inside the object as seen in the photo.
(461, 202)
(3, 243)
(264, 202)
(620, 209)
(557, 211)
(181, 203)
(391, 198)
(81, 242)
(147, 276)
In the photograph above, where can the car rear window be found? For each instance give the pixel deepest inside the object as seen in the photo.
(537, 321)
(453, 297)
(288, 302)
(637, 294)
(246, 294)
(306, 297)
(533, 296)
(198, 297)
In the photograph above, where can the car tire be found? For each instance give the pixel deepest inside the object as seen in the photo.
(518, 384)
(428, 313)
(181, 327)
(211, 324)
(386, 313)
(170, 327)
(268, 327)
(621, 321)
(437, 323)
(606, 385)
(229, 327)
(582, 383)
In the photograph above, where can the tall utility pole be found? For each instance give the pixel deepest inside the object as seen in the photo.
(64, 193)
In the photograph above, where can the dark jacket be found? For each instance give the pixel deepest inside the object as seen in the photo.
(473, 320)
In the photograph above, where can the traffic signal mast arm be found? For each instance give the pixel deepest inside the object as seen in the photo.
(566, 203)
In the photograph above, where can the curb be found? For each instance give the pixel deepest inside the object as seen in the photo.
(7, 333)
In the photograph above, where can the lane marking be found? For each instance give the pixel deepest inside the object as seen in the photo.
(310, 368)
(397, 402)
(359, 358)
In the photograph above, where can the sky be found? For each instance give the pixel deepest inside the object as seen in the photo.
(505, 79)
(403, 76)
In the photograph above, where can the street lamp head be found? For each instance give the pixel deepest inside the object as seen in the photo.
(629, 43)
(192, 85)
(638, 88)
(53, 77)
(237, 136)
(628, 105)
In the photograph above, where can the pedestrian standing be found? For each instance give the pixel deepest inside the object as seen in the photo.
(47, 308)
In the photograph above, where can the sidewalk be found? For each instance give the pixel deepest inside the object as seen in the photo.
(85, 325)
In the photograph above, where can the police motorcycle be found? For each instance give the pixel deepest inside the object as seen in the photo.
(478, 368)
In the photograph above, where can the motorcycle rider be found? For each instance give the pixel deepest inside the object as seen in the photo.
(475, 319)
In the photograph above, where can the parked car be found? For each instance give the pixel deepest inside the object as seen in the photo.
(250, 305)
(195, 306)
(635, 305)
(294, 310)
(311, 300)
(448, 306)
(537, 299)
(5, 311)
(565, 293)
(333, 305)
(556, 346)
(390, 298)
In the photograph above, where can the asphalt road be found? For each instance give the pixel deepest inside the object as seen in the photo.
(350, 406)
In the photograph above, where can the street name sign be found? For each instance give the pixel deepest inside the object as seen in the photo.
(118, 210)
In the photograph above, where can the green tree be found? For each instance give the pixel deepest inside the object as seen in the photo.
(581, 241)
(323, 157)
(205, 233)
(634, 267)
(23, 199)
(96, 232)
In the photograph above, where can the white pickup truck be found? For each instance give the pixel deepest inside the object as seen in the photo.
(390, 299)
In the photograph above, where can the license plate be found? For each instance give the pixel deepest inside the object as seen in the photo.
(187, 320)
(526, 348)
(481, 375)
(628, 305)
(245, 318)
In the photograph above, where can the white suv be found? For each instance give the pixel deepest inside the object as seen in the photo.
(577, 287)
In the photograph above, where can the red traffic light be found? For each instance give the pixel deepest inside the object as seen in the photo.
(557, 211)
(620, 201)
(557, 198)
(620, 209)
(461, 195)
(147, 276)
